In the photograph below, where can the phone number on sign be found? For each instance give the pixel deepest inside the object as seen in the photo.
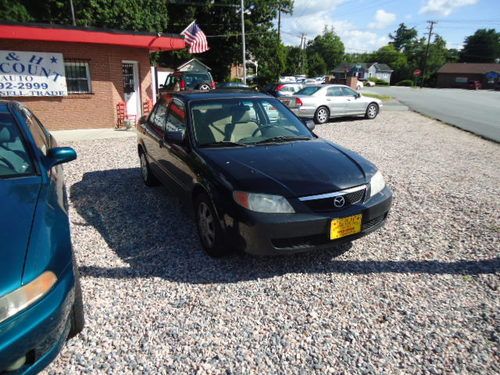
(23, 86)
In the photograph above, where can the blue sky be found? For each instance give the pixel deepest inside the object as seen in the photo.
(364, 25)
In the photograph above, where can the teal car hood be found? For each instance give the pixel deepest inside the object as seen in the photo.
(18, 200)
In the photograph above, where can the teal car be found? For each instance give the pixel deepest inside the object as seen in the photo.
(40, 296)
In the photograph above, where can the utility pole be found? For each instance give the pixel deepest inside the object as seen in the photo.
(424, 68)
(72, 12)
(243, 40)
(279, 23)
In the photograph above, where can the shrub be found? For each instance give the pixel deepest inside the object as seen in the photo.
(378, 81)
(406, 82)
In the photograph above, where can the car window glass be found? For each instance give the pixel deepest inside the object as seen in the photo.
(308, 90)
(176, 119)
(159, 116)
(40, 135)
(348, 92)
(14, 157)
(334, 91)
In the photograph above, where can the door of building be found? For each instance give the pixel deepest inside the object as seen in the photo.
(131, 89)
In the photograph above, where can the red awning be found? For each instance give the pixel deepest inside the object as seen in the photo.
(75, 35)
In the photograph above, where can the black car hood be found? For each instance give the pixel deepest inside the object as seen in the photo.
(291, 169)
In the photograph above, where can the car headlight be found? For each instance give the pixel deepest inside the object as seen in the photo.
(21, 298)
(263, 202)
(377, 184)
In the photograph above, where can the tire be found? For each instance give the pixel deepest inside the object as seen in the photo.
(371, 111)
(147, 176)
(77, 316)
(211, 234)
(322, 115)
(204, 87)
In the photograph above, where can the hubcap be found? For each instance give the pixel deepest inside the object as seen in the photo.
(207, 224)
(372, 111)
(322, 115)
(144, 167)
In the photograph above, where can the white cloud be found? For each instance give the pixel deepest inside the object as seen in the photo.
(311, 16)
(444, 7)
(382, 19)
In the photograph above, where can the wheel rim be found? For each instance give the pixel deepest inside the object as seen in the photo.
(204, 87)
(206, 223)
(322, 115)
(144, 167)
(372, 111)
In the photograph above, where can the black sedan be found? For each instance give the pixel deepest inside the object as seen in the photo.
(258, 178)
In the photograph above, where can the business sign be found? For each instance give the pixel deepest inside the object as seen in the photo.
(32, 74)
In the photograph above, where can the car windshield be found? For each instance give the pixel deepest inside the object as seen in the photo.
(308, 90)
(245, 122)
(194, 79)
(14, 159)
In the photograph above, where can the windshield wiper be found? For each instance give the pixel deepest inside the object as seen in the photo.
(224, 144)
(282, 138)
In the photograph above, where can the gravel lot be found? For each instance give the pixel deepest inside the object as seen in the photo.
(419, 296)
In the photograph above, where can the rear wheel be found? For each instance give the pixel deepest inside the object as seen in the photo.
(321, 115)
(209, 229)
(148, 178)
(77, 315)
(371, 111)
(204, 87)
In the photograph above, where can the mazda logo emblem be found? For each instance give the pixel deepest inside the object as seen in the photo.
(339, 201)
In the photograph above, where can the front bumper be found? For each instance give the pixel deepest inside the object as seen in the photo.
(269, 234)
(39, 332)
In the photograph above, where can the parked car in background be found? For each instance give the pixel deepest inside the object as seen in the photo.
(320, 80)
(474, 85)
(40, 296)
(180, 81)
(282, 89)
(310, 81)
(287, 79)
(258, 182)
(368, 83)
(232, 85)
(322, 102)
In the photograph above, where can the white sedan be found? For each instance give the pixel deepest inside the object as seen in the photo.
(322, 102)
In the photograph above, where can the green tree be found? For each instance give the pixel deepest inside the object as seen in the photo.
(13, 10)
(481, 47)
(136, 15)
(329, 47)
(316, 65)
(358, 57)
(295, 61)
(403, 38)
(391, 56)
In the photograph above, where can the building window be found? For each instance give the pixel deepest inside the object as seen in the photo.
(77, 77)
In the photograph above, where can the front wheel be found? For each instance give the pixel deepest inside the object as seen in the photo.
(209, 229)
(322, 115)
(371, 111)
(148, 178)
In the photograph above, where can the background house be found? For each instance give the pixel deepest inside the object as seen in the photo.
(458, 75)
(362, 71)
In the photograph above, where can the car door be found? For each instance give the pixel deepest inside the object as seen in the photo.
(336, 101)
(154, 131)
(354, 106)
(175, 150)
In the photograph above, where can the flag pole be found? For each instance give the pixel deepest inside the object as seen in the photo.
(243, 40)
(188, 26)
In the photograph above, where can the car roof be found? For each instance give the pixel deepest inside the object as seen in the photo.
(220, 94)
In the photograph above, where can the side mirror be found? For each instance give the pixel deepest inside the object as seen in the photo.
(143, 119)
(59, 155)
(357, 96)
(162, 86)
(174, 137)
(310, 124)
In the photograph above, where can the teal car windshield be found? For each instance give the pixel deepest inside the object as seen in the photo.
(14, 158)
(244, 122)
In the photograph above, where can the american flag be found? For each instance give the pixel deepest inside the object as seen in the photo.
(196, 38)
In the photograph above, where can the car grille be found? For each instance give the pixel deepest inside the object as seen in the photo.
(300, 242)
(326, 202)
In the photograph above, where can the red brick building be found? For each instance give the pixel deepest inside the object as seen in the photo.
(459, 75)
(95, 71)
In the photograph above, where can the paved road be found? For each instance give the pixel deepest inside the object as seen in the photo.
(475, 111)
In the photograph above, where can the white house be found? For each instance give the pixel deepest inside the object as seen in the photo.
(380, 71)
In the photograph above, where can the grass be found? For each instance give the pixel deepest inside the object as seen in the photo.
(384, 98)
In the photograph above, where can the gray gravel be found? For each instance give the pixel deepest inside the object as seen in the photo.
(419, 296)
